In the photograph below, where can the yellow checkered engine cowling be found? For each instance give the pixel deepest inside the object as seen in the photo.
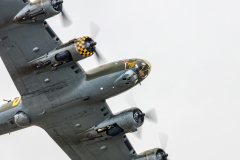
(82, 48)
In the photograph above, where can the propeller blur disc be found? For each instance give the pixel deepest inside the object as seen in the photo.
(163, 140)
(94, 28)
(152, 115)
(99, 56)
(130, 100)
(139, 133)
(66, 21)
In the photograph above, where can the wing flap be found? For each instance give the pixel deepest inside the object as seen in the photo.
(60, 141)
(70, 137)
(81, 150)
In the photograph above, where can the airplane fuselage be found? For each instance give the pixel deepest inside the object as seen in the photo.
(74, 99)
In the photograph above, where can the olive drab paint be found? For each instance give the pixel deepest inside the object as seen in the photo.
(110, 68)
(16, 102)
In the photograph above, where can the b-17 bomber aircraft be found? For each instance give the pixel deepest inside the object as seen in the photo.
(58, 95)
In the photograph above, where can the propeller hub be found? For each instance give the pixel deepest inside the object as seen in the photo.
(138, 116)
(56, 2)
(161, 155)
(165, 155)
(93, 43)
(85, 46)
(141, 115)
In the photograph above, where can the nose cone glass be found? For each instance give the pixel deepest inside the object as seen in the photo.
(143, 68)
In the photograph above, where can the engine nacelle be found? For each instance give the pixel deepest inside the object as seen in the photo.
(153, 154)
(38, 10)
(22, 119)
(126, 121)
(73, 51)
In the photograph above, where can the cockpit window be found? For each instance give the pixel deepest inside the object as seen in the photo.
(143, 68)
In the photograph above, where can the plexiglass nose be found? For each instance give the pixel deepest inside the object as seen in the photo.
(143, 68)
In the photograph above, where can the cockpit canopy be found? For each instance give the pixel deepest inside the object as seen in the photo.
(143, 68)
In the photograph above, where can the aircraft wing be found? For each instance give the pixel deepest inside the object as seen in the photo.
(74, 142)
(21, 43)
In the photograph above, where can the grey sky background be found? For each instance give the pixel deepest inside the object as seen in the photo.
(193, 47)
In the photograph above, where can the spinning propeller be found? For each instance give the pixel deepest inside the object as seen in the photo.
(151, 116)
(94, 28)
(66, 21)
(163, 141)
(58, 5)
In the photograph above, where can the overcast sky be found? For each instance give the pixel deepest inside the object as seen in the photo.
(193, 47)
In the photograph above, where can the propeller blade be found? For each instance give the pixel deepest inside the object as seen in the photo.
(151, 115)
(138, 133)
(99, 56)
(94, 28)
(130, 100)
(66, 21)
(163, 140)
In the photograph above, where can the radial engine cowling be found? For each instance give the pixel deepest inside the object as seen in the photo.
(153, 154)
(38, 10)
(72, 51)
(125, 121)
(22, 119)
